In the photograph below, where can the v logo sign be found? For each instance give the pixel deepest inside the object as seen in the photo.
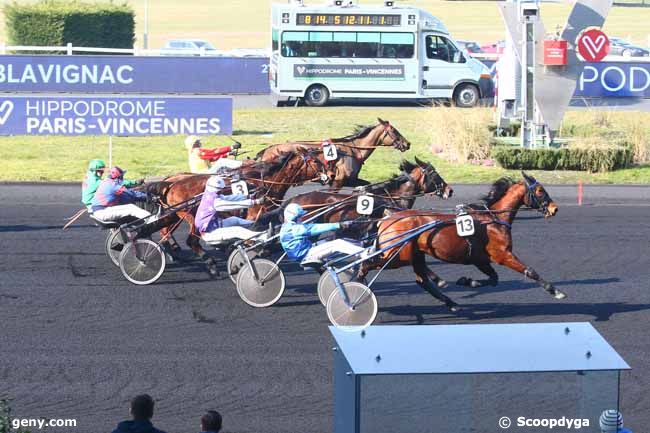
(5, 111)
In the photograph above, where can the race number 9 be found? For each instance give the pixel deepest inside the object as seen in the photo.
(329, 150)
(365, 205)
(465, 225)
(239, 187)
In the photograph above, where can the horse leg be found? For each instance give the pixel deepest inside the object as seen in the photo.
(423, 274)
(487, 269)
(511, 261)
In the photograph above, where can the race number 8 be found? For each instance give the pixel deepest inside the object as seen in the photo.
(239, 187)
(465, 225)
(329, 150)
(365, 205)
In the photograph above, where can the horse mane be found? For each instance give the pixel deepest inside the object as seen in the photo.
(498, 190)
(360, 131)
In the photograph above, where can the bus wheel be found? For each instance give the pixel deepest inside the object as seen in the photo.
(317, 96)
(466, 95)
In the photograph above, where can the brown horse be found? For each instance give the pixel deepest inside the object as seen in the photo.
(270, 180)
(491, 243)
(397, 193)
(352, 151)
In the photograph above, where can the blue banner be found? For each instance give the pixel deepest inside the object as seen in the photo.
(129, 74)
(616, 79)
(125, 116)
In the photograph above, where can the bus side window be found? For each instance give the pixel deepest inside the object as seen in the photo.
(437, 48)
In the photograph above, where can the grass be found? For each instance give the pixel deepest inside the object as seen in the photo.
(32, 158)
(245, 23)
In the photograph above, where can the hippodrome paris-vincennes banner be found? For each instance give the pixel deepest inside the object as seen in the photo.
(125, 116)
(131, 74)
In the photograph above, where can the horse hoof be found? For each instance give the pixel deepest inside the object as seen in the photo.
(442, 284)
(463, 281)
(559, 295)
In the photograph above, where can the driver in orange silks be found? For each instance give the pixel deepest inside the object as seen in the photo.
(210, 160)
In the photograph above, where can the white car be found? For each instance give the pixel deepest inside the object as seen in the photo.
(188, 47)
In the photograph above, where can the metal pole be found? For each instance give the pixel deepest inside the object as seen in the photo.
(110, 151)
(145, 36)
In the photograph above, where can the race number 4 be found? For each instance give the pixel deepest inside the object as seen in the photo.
(465, 225)
(239, 187)
(365, 205)
(329, 151)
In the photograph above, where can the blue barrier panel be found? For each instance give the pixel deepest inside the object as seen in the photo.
(129, 74)
(617, 79)
(61, 115)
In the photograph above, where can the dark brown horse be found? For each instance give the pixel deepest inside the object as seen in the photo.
(395, 194)
(270, 180)
(491, 243)
(352, 151)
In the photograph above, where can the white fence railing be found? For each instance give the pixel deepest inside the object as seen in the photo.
(69, 50)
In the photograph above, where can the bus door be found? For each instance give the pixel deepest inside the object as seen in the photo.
(442, 66)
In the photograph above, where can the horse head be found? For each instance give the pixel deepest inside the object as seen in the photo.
(426, 178)
(537, 197)
(390, 136)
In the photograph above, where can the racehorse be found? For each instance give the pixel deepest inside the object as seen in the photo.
(491, 243)
(352, 151)
(271, 180)
(397, 193)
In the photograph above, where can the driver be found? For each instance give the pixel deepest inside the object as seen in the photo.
(294, 237)
(114, 201)
(209, 221)
(92, 180)
(210, 160)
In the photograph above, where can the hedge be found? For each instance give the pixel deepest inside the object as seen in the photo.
(57, 23)
(568, 158)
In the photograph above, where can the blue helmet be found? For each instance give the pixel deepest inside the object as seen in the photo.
(293, 211)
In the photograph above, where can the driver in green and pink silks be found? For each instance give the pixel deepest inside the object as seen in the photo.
(93, 178)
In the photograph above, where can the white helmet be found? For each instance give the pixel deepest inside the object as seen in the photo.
(293, 211)
(215, 184)
(190, 140)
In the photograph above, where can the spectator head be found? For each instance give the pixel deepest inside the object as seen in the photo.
(142, 407)
(192, 141)
(611, 421)
(211, 421)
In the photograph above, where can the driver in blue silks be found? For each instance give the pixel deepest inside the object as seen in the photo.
(294, 237)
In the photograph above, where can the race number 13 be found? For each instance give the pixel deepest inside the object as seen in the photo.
(465, 225)
(239, 187)
(365, 205)
(329, 150)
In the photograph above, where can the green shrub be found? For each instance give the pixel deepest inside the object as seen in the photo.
(57, 23)
(568, 158)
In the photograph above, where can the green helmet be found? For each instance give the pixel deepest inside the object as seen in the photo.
(96, 164)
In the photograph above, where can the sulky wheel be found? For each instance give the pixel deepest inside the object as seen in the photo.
(360, 314)
(142, 262)
(263, 292)
(236, 262)
(114, 246)
(326, 284)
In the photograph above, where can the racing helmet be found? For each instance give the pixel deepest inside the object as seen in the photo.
(96, 165)
(190, 141)
(116, 173)
(215, 183)
(293, 211)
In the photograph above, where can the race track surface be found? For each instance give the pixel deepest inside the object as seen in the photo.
(79, 341)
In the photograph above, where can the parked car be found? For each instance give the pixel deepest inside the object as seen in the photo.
(621, 47)
(495, 48)
(469, 46)
(188, 47)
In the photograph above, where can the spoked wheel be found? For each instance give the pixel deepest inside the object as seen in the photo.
(363, 308)
(236, 262)
(326, 284)
(114, 246)
(265, 292)
(142, 262)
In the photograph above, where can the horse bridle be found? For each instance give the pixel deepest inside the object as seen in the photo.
(533, 201)
(389, 131)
